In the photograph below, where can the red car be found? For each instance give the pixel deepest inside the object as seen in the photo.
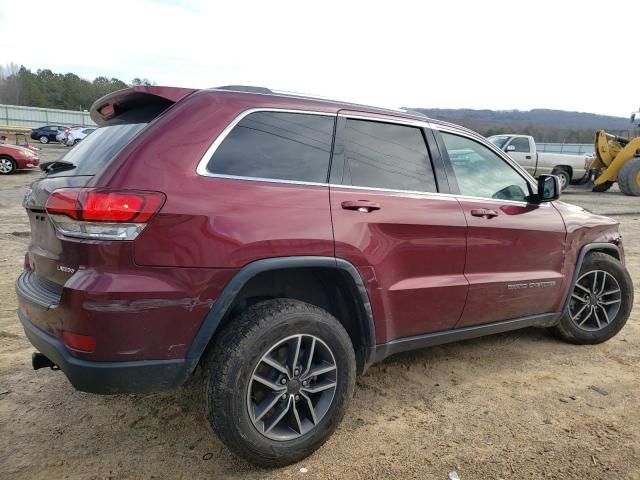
(14, 157)
(283, 244)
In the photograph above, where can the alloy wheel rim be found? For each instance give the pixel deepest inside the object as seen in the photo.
(5, 165)
(292, 387)
(595, 300)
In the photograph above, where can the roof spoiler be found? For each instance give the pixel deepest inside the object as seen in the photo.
(114, 104)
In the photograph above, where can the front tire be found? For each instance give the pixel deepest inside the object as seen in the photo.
(629, 178)
(600, 302)
(44, 139)
(278, 381)
(7, 165)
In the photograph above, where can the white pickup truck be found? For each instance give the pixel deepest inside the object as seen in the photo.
(522, 148)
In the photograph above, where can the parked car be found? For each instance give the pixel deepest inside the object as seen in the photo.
(522, 148)
(46, 134)
(74, 135)
(14, 157)
(62, 135)
(283, 244)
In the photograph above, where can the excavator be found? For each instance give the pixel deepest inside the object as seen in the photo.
(618, 159)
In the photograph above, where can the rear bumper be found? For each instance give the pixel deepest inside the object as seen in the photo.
(108, 377)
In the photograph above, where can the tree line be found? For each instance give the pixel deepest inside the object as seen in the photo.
(545, 125)
(46, 89)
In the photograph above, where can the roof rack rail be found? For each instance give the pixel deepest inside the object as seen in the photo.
(245, 88)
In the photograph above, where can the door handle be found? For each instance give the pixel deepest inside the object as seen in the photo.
(484, 213)
(528, 157)
(364, 206)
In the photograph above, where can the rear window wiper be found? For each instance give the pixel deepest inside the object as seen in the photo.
(56, 166)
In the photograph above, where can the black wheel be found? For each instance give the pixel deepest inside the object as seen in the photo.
(76, 141)
(44, 139)
(600, 303)
(278, 381)
(629, 178)
(603, 187)
(7, 165)
(564, 176)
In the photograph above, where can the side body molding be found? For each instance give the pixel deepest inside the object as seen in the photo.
(233, 288)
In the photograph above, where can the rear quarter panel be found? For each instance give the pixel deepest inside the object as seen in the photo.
(216, 222)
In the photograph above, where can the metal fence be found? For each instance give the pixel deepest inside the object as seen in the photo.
(16, 116)
(570, 148)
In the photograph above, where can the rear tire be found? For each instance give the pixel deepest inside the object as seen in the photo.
(234, 399)
(596, 311)
(7, 165)
(629, 178)
(564, 176)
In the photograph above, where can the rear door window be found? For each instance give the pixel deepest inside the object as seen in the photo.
(277, 146)
(388, 156)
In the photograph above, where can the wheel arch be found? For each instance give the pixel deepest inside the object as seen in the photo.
(343, 294)
(603, 247)
(567, 168)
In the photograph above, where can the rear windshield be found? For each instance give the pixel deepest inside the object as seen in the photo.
(97, 149)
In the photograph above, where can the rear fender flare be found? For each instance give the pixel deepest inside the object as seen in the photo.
(232, 289)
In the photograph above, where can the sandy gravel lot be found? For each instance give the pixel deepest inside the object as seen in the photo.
(512, 406)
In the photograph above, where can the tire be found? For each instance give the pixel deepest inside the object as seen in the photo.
(44, 139)
(610, 274)
(76, 141)
(629, 178)
(565, 177)
(603, 187)
(230, 388)
(7, 165)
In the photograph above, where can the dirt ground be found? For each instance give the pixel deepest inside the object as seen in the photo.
(512, 406)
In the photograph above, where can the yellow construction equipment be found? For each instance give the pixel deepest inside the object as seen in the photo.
(617, 159)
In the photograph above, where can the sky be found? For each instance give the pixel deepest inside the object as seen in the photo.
(502, 55)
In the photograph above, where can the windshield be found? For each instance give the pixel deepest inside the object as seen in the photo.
(97, 149)
(499, 140)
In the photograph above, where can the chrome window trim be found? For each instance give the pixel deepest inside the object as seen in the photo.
(267, 180)
(201, 169)
(377, 189)
(375, 117)
(448, 195)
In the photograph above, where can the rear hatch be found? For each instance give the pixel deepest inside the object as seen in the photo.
(52, 258)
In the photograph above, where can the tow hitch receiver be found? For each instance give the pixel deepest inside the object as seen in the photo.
(38, 360)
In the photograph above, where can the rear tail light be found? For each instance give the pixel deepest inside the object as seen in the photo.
(102, 214)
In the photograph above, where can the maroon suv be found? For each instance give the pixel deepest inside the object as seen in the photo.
(283, 244)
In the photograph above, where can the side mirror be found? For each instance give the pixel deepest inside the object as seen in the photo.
(548, 188)
(511, 148)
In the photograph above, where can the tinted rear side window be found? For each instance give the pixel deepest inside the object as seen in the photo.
(278, 146)
(97, 149)
(385, 155)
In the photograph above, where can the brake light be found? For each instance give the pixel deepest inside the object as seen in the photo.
(106, 110)
(79, 343)
(102, 214)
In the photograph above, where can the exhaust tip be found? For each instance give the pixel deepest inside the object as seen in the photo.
(38, 361)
